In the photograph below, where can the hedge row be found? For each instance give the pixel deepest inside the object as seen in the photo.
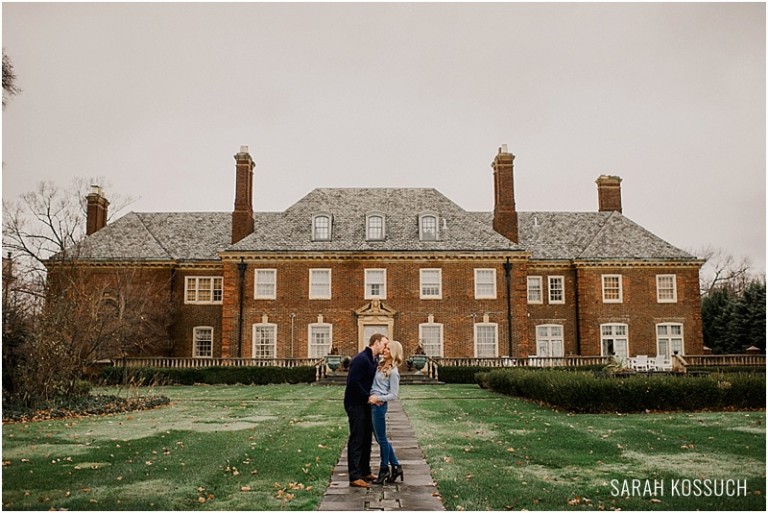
(209, 375)
(466, 375)
(584, 392)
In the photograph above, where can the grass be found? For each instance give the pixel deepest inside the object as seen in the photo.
(214, 448)
(274, 447)
(494, 452)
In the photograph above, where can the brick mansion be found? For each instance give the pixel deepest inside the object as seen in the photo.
(343, 263)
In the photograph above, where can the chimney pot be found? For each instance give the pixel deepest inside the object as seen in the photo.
(243, 149)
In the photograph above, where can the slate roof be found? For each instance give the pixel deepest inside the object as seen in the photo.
(182, 236)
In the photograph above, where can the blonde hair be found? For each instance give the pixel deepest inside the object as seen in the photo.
(395, 357)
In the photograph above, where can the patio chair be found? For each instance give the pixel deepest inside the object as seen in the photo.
(662, 363)
(640, 363)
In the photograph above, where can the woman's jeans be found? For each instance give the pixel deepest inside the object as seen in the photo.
(379, 418)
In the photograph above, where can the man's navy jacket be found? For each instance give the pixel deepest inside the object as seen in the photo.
(362, 369)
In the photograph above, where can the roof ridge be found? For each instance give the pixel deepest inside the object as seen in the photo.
(597, 234)
(162, 246)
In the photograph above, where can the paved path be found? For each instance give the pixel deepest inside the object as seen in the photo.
(416, 493)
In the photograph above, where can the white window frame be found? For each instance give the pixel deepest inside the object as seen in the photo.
(551, 340)
(535, 286)
(479, 283)
(561, 289)
(316, 233)
(368, 294)
(615, 337)
(423, 283)
(609, 288)
(273, 283)
(192, 290)
(670, 339)
(369, 228)
(428, 346)
(196, 340)
(314, 349)
(487, 325)
(423, 233)
(314, 292)
(664, 291)
(273, 343)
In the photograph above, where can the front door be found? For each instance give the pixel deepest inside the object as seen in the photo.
(370, 329)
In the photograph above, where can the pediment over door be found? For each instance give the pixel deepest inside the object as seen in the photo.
(376, 308)
(374, 317)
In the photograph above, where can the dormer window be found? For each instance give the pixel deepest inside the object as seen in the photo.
(374, 227)
(321, 227)
(428, 227)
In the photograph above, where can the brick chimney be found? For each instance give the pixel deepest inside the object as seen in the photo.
(242, 216)
(609, 193)
(96, 210)
(504, 212)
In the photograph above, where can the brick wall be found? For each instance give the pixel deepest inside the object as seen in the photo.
(457, 310)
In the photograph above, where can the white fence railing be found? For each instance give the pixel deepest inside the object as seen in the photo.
(167, 362)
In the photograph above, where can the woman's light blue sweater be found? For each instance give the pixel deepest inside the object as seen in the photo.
(386, 388)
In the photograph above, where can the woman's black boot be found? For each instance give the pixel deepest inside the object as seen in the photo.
(397, 471)
(383, 476)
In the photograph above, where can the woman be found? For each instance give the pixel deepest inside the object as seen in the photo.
(386, 387)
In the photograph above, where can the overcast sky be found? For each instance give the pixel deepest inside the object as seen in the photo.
(157, 98)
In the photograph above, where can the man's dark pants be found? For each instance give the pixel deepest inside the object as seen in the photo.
(360, 437)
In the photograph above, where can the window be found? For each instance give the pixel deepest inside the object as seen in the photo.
(485, 283)
(669, 338)
(321, 227)
(374, 227)
(264, 340)
(486, 340)
(427, 227)
(375, 284)
(319, 284)
(613, 340)
(549, 340)
(431, 337)
(202, 342)
(431, 283)
(534, 290)
(320, 340)
(666, 288)
(612, 292)
(265, 286)
(556, 290)
(203, 290)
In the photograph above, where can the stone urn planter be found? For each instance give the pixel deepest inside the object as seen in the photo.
(333, 361)
(419, 361)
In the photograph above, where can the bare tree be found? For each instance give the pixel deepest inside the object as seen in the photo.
(77, 312)
(724, 270)
(9, 79)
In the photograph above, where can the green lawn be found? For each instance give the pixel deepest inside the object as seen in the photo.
(274, 447)
(492, 452)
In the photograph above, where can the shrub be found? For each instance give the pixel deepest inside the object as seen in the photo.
(591, 393)
(209, 375)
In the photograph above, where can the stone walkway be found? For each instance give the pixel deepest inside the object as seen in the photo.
(417, 492)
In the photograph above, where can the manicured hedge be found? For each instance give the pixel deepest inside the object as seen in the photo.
(210, 375)
(466, 375)
(584, 392)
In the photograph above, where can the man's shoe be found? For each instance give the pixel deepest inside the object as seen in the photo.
(369, 477)
(359, 483)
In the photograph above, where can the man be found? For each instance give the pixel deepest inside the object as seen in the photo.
(362, 369)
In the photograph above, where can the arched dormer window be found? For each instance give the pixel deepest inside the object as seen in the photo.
(428, 228)
(321, 227)
(375, 227)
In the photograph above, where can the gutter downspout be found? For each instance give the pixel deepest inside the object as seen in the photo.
(507, 275)
(241, 267)
(578, 311)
